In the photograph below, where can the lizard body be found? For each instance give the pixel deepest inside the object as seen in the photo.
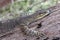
(9, 25)
(37, 15)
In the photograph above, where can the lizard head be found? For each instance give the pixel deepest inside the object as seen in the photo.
(42, 13)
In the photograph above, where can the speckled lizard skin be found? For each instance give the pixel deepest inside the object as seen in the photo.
(9, 25)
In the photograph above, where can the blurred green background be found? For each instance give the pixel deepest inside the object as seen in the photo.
(24, 8)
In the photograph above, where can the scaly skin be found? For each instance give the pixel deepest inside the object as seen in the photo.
(37, 15)
(31, 32)
(9, 25)
(30, 19)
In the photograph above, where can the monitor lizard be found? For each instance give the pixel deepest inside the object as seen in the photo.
(7, 26)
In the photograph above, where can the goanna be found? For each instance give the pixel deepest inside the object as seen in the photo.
(8, 25)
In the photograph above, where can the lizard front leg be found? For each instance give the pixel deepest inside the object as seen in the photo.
(31, 32)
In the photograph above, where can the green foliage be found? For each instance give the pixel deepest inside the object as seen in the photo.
(25, 7)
